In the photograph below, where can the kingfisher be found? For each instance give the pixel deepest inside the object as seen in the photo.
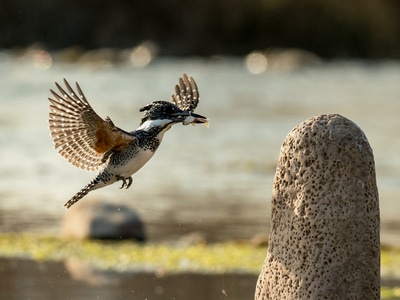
(92, 143)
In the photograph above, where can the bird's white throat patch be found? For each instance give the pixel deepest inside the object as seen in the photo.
(154, 123)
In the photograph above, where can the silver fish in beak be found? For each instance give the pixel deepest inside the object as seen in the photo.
(195, 119)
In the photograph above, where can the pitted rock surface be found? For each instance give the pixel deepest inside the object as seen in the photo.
(324, 240)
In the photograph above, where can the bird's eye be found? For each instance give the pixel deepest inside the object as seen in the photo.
(171, 109)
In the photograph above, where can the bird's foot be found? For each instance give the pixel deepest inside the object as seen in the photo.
(125, 184)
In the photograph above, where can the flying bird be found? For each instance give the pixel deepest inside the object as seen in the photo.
(92, 143)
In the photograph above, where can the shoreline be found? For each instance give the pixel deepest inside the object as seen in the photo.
(228, 268)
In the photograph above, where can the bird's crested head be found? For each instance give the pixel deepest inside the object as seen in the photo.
(163, 110)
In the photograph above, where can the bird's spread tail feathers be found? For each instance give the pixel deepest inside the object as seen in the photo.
(84, 191)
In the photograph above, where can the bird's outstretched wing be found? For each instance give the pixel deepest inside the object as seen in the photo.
(79, 134)
(186, 94)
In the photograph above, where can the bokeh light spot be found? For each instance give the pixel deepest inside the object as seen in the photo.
(256, 63)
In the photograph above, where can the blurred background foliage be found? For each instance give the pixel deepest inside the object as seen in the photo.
(329, 28)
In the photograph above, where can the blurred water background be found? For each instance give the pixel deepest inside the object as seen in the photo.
(217, 181)
(262, 67)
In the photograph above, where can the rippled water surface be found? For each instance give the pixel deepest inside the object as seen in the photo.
(216, 180)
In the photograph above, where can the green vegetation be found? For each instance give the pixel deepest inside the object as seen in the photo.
(128, 255)
(390, 262)
(390, 293)
(390, 268)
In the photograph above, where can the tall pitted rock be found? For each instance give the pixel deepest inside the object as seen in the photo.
(324, 240)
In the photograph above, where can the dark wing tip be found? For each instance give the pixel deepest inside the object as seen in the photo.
(186, 93)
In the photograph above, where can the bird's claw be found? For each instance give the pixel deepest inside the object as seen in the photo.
(125, 184)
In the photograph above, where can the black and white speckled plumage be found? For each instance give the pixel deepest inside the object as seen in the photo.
(89, 142)
(144, 141)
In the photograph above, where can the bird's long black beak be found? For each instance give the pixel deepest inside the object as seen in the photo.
(187, 117)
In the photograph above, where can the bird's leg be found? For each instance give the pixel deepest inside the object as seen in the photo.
(130, 180)
(123, 180)
(124, 183)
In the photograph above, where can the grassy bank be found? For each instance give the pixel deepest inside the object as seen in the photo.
(126, 255)
(129, 256)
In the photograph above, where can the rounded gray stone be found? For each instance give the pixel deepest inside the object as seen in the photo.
(93, 219)
(324, 239)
